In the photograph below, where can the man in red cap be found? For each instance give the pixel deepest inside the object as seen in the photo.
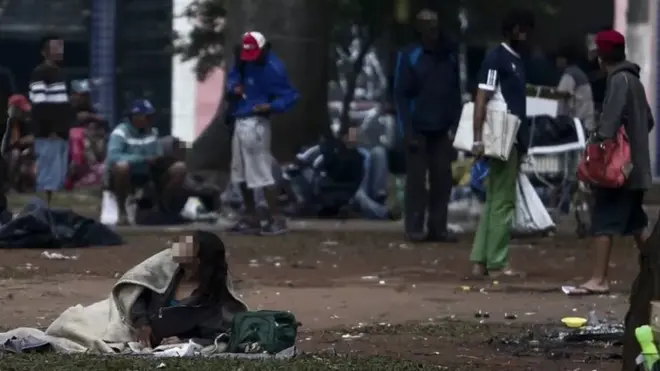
(16, 140)
(18, 143)
(257, 87)
(619, 211)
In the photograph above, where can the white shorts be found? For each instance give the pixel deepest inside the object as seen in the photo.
(251, 160)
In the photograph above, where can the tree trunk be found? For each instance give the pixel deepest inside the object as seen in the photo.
(298, 32)
(351, 82)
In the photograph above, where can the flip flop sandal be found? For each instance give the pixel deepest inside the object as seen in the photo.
(507, 272)
(583, 291)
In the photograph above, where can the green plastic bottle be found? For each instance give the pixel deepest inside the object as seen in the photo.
(645, 338)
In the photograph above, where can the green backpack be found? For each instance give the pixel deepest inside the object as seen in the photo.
(262, 331)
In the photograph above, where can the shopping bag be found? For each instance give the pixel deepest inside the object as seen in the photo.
(531, 215)
(499, 131)
(607, 164)
(478, 176)
(464, 137)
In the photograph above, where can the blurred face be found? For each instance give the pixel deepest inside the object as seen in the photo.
(141, 121)
(561, 62)
(427, 25)
(184, 252)
(80, 99)
(95, 129)
(429, 30)
(519, 38)
(25, 115)
(54, 50)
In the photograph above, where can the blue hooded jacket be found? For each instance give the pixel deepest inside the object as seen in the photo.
(263, 82)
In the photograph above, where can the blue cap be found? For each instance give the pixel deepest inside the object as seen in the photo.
(142, 107)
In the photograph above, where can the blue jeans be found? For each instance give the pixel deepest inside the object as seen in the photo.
(52, 163)
(371, 196)
(369, 199)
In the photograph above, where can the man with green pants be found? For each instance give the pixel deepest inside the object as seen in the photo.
(501, 76)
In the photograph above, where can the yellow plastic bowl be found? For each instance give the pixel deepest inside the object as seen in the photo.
(574, 322)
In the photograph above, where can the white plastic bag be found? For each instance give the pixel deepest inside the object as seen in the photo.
(499, 131)
(464, 137)
(109, 209)
(531, 215)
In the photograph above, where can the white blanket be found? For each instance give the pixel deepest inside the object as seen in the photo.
(103, 327)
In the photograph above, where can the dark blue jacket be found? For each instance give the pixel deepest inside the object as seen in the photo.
(427, 89)
(264, 82)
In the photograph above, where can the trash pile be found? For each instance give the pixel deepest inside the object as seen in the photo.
(579, 337)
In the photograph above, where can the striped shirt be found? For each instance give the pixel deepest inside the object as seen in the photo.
(52, 112)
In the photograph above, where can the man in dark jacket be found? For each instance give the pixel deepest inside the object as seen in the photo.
(619, 211)
(428, 99)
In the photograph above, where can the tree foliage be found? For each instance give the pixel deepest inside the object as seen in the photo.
(205, 42)
(370, 18)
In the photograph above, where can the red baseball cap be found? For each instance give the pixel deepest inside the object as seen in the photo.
(20, 101)
(253, 44)
(607, 40)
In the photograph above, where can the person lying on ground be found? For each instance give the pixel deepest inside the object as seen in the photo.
(52, 117)
(19, 152)
(259, 86)
(619, 211)
(197, 303)
(135, 159)
(322, 185)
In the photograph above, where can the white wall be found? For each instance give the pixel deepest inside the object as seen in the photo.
(184, 83)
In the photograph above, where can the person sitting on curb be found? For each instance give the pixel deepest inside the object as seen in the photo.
(136, 158)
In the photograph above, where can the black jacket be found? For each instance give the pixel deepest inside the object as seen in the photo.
(427, 88)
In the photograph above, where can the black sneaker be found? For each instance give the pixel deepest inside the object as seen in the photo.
(274, 227)
(446, 237)
(243, 227)
(394, 213)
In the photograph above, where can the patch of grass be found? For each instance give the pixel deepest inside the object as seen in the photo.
(55, 362)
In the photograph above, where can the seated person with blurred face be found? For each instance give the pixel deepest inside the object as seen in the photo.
(136, 159)
(21, 159)
(87, 140)
(197, 304)
(82, 104)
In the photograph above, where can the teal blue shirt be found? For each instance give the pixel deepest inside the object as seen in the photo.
(133, 146)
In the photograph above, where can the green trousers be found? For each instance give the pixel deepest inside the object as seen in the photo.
(491, 243)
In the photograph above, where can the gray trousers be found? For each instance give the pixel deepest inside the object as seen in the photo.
(433, 156)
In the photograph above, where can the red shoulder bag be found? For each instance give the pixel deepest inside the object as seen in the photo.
(607, 164)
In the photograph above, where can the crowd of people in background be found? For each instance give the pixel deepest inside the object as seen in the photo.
(56, 140)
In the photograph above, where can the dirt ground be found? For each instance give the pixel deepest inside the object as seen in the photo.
(363, 293)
